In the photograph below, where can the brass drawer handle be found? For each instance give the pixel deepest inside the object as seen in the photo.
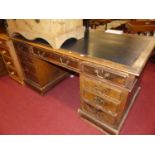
(106, 75)
(97, 73)
(64, 62)
(12, 73)
(39, 53)
(98, 100)
(3, 52)
(0, 42)
(8, 63)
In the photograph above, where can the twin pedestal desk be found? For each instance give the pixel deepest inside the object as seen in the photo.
(109, 67)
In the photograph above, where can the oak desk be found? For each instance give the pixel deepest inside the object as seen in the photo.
(109, 66)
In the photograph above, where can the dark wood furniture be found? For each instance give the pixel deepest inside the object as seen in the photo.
(10, 59)
(109, 66)
(144, 27)
(38, 74)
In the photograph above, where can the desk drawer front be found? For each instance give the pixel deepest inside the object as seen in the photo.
(100, 103)
(105, 74)
(101, 88)
(97, 114)
(58, 59)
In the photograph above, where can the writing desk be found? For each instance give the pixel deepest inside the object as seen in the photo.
(109, 66)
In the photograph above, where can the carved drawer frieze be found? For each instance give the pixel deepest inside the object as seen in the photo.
(54, 57)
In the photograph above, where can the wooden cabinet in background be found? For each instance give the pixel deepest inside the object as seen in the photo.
(10, 59)
(39, 74)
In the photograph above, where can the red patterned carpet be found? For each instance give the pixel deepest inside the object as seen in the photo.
(23, 111)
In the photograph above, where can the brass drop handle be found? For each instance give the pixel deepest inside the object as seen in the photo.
(3, 52)
(12, 73)
(97, 73)
(98, 100)
(64, 63)
(0, 42)
(41, 54)
(8, 63)
(106, 75)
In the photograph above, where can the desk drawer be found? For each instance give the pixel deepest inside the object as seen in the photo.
(62, 60)
(97, 114)
(104, 73)
(100, 103)
(101, 88)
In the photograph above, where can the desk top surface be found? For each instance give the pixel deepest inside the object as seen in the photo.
(122, 49)
(127, 53)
